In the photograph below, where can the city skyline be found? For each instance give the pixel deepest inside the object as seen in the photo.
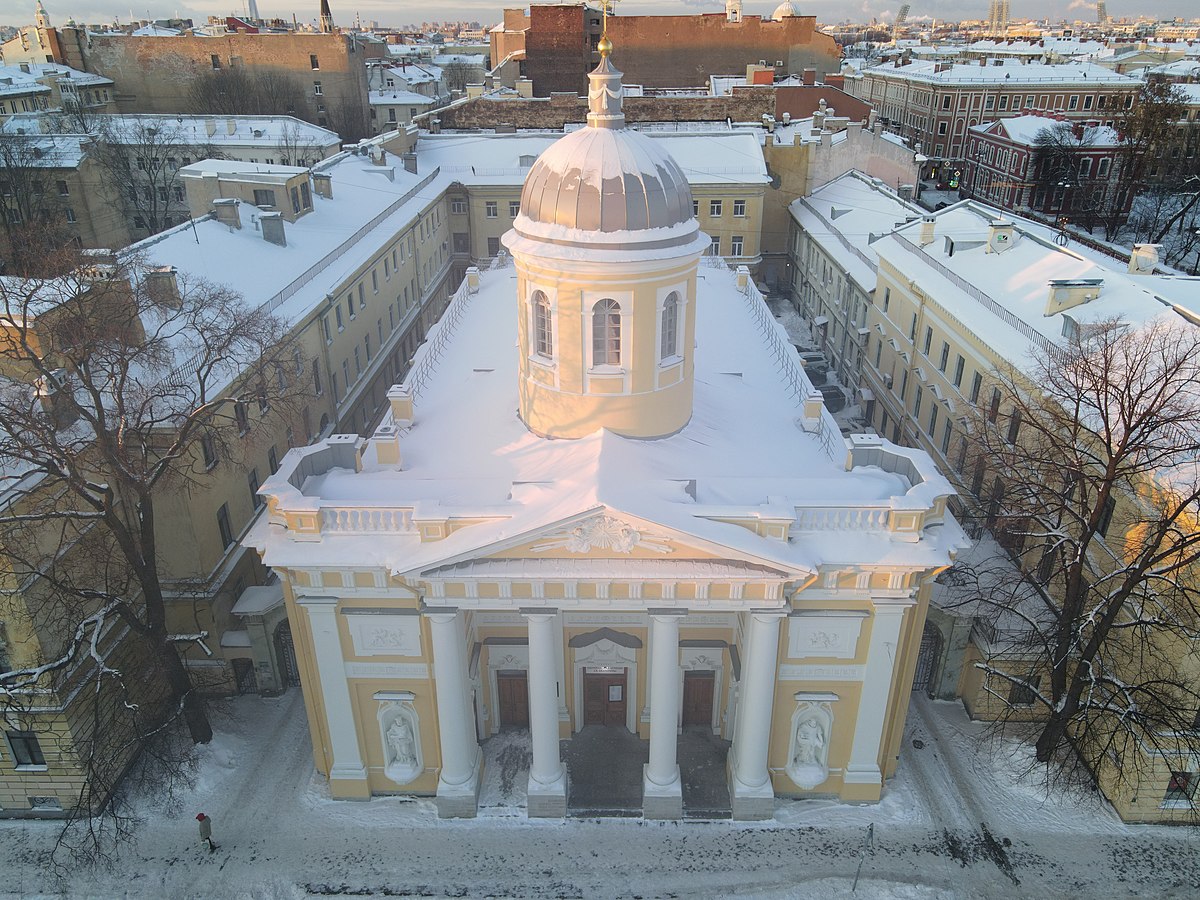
(389, 13)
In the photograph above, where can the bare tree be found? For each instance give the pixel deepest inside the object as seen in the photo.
(1058, 155)
(31, 216)
(238, 92)
(141, 157)
(295, 148)
(458, 74)
(348, 117)
(122, 384)
(1090, 482)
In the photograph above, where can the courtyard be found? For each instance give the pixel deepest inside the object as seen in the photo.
(956, 822)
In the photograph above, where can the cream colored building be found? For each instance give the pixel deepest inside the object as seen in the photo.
(616, 503)
(957, 296)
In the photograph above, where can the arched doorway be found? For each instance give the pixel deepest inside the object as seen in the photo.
(285, 656)
(928, 658)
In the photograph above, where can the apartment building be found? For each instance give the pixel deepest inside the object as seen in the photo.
(66, 89)
(936, 103)
(953, 303)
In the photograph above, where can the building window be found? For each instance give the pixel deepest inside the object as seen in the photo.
(63, 190)
(493, 246)
(316, 373)
(947, 432)
(945, 357)
(669, 346)
(1106, 515)
(252, 482)
(490, 209)
(716, 245)
(239, 416)
(714, 207)
(887, 298)
(735, 245)
(317, 89)
(458, 207)
(1024, 694)
(264, 197)
(606, 333)
(216, 61)
(208, 449)
(933, 417)
(917, 395)
(1181, 789)
(514, 208)
(223, 525)
(928, 340)
(357, 363)
(695, 209)
(1103, 167)
(976, 386)
(959, 365)
(1014, 426)
(994, 407)
(26, 750)
(362, 295)
(313, 62)
(273, 457)
(70, 214)
(739, 207)
(543, 327)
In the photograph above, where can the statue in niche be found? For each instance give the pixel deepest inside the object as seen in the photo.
(810, 743)
(402, 743)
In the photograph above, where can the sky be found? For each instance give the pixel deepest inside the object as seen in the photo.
(398, 12)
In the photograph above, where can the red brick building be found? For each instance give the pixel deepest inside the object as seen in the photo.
(1047, 165)
(664, 51)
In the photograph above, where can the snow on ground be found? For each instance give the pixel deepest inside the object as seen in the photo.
(957, 821)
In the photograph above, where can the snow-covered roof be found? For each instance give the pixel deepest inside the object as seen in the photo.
(15, 82)
(35, 71)
(741, 453)
(1003, 297)
(847, 216)
(1011, 71)
(1024, 130)
(155, 31)
(49, 151)
(397, 97)
(229, 130)
(1181, 68)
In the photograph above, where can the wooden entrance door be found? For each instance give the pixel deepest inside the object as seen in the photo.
(604, 698)
(698, 698)
(513, 688)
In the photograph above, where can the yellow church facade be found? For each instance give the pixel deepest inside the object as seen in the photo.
(607, 497)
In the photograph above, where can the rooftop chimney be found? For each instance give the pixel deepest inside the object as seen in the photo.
(228, 211)
(927, 225)
(323, 185)
(272, 228)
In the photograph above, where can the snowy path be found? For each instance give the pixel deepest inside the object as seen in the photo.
(281, 837)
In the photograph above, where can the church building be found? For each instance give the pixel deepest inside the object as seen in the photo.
(606, 496)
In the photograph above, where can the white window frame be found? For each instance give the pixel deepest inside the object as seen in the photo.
(535, 353)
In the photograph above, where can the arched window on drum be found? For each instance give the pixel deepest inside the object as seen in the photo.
(543, 326)
(606, 333)
(669, 328)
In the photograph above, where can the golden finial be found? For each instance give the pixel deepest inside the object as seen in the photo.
(605, 46)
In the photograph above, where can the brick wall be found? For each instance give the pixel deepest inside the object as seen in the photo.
(670, 51)
(554, 112)
(154, 74)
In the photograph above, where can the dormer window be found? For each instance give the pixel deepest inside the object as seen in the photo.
(606, 333)
(543, 327)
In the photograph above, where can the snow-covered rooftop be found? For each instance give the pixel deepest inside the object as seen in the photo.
(742, 453)
(1025, 130)
(1003, 297)
(1011, 71)
(398, 96)
(36, 71)
(847, 216)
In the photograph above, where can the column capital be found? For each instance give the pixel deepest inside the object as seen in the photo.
(309, 602)
(440, 614)
(892, 606)
(670, 613)
(538, 613)
(767, 615)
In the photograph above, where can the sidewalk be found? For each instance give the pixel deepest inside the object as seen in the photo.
(954, 823)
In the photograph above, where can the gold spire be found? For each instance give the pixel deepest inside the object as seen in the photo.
(605, 46)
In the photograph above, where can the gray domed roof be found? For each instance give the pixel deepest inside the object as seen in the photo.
(605, 179)
(786, 10)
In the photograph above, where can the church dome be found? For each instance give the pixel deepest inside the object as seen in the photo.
(605, 184)
(788, 9)
(605, 179)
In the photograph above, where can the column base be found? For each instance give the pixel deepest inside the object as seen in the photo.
(862, 784)
(749, 803)
(661, 801)
(547, 801)
(459, 801)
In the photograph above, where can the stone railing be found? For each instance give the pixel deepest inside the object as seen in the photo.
(362, 519)
(842, 518)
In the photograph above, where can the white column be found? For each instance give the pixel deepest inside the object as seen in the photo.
(347, 761)
(459, 776)
(863, 767)
(751, 790)
(662, 791)
(547, 777)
